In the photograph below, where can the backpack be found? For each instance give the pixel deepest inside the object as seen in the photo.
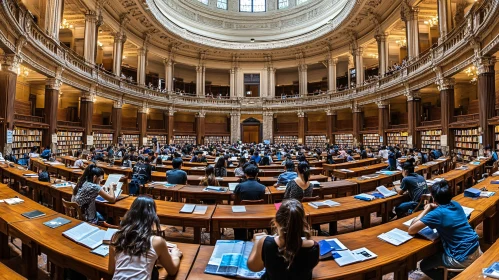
(44, 176)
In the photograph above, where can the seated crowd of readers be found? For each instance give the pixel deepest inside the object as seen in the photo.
(291, 252)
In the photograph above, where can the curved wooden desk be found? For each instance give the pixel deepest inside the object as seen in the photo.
(474, 271)
(8, 274)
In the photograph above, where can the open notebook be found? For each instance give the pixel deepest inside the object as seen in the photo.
(88, 235)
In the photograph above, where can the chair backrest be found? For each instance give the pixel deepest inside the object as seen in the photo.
(72, 209)
(311, 198)
(252, 202)
(425, 199)
(494, 168)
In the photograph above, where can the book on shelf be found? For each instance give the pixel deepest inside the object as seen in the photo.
(395, 237)
(230, 258)
(86, 235)
(323, 204)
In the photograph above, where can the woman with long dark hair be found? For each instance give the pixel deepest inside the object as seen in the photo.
(221, 167)
(209, 177)
(286, 255)
(300, 187)
(86, 191)
(137, 246)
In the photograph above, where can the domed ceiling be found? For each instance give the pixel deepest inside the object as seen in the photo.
(231, 28)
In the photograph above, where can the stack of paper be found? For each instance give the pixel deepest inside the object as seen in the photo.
(328, 247)
(347, 257)
(323, 204)
(13, 201)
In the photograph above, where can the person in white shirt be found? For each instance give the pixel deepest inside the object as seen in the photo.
(383, 152)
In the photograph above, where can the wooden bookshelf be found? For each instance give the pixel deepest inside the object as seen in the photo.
(102, 140)
(317, 141)
(344, 140)
(397, 138)
(286, 140)
(208, 140)
(371, 140)
(496, 136)
(430, 139)
(162, 139)
(131, 139)
(69, 141)
(24, 139)
(183, 139)
(466, 142)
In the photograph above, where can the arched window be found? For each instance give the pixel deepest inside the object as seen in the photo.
(252, 6)
(222, 4)
(283, 4)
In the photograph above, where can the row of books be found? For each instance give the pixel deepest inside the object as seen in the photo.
(68, 141)
(216, 139)
(316, 140)
(371, 140)
(343, 140)
(24, 139)
(286, 139)
(131, 139)
(430, 139)
(182, 139)
(103, 140)
(397, 138)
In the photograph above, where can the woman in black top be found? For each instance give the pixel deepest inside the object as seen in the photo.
(286, 256)
(300, 187)
(220, 167)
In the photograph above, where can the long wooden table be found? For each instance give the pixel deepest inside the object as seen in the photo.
(474, 271)
(328, 168)
(8, 274)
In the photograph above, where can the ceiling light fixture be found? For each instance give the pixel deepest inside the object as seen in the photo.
(66, 25)
(432, 21)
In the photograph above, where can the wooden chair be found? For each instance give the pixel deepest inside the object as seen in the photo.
(309, 199)
(72, 209)
(448, 269)
(425, 199)
(494, 168)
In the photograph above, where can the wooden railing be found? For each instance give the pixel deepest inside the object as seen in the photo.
(28, 118)
(466, 118)
(431, 123)
(66, 123)
(100, 126)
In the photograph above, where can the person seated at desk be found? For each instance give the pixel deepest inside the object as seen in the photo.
(221, 168)
(239, 171)
(491, 156)
(126, 161)
(392, 162)
(459, 240)
(383, 152)
(329, 158)
(141, 174)
(79, 162)
(287, 176)
(350, 156)
(46, 153)
(300, 187)
(138, 245)
(176, 175)
(86, 191)
(265, 160)
(199, 157)
(256, 157)
(290, 255)
(369, 153)
(209, 177)
(415, 185)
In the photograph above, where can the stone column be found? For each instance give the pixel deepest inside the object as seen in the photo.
(357, 125)
(383, 119)
(413, 119)
(8, 79)
(86, 113)
(235, 126)
(331, 74)
(200, 127)
(168, 73)
(268, 126)
(359, 65)
(232, 82)
(51, 17)
(141, 65)
(444, 18)
(303, 79)
(330, 125)
(116, 120)
(301, 127)
(351, 64)
(119, 42)
(200, 80)
(410, 16)
(382, 53)
(486, 97)
(52, 87)
(92, 23)
(271, 82)
(142, 121)
(446, 88)
(169, 124)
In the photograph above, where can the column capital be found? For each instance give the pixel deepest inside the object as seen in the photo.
(413, 95)
(235, 114)
(381, 37)
(302, 67)
(485, 64)
(91, 16)
(117, 104)
(87, 96)
(268, 113)
(331, 112)
(356, 108)
(358, 51)
(201, 114)
(168, 61)
(142, 51)
(11, 63)
(445, 83)
(300, 114)
(53, 83)
(120, 36)
(382, 104)
(143, 110)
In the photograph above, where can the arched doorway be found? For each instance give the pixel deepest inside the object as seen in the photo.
(251, 130)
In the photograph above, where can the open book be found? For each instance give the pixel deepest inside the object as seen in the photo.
(114, 179)
(347, 257)
(395, 236)
(385, 192)
(329, 247)
(323, 204)
(230, 258)
(232, 186)
(194, 209)
(492, 271)
(86, 235)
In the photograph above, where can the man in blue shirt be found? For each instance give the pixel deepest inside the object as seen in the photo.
(256, 157)
(198, 157)
(492, 156)
(176, 175)
(392, 161)
(287, 176)
(412, 183)
(459, 240)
